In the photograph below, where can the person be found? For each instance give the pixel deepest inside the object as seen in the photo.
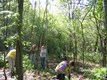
(43, 54)
(0, 52)
(11, 47)
(33, 54)
(63, 68)
(11, 56)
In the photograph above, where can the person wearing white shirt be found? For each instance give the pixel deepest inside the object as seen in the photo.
(43, 54)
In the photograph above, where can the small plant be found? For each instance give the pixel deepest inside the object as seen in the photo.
(27, 63)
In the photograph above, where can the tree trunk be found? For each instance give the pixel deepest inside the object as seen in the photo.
(19, 67)
(72, 7)
(104, 53)
(3, 45)
(83, 44)
(105, 41)
(19, 56)
(46, 23)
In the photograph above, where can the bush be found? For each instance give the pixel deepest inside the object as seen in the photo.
(27, 65)
(96, 74)
(1, 61)
(100, 74)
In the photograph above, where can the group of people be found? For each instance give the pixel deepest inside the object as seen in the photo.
(64, 67)
(43, 55)
(11, 56)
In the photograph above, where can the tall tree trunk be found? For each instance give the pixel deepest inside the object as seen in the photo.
(102, 40)
(105, 40)
(75, 49)
(4, 50)
(73, 7)
(46, 23)
(19, 56)
(83, 38)
(83, 44)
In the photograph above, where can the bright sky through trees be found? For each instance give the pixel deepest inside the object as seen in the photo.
(53, 5)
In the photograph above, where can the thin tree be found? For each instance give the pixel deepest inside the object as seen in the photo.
(82, 34)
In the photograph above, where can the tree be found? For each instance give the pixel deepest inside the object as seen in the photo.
(19, 55)
(105, 42)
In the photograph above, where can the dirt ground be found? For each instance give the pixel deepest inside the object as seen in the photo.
(33, 75)
(37, 75)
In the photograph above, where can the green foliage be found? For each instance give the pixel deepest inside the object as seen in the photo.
(8, 28)
(87, 73)
(100, 74)
(93, 57)
(27, 46)
(96, 73)
(27, 63)
(1, 60)
(56, 31)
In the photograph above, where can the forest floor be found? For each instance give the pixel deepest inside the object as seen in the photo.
(49, 74)
(34, 76)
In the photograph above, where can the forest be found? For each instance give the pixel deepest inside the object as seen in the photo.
(72, 30)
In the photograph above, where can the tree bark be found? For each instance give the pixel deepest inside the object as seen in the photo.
(19, 55)
(3, 45)
(105, 40)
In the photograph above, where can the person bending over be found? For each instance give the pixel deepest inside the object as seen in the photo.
(11, 56)
(63, 68)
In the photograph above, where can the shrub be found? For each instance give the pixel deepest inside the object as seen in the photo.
(1, 61)
(100, 74)
(27, 65)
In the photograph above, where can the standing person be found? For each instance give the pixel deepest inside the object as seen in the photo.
(43, 54)
(11, 56)
(63, 68)
(33, 54)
